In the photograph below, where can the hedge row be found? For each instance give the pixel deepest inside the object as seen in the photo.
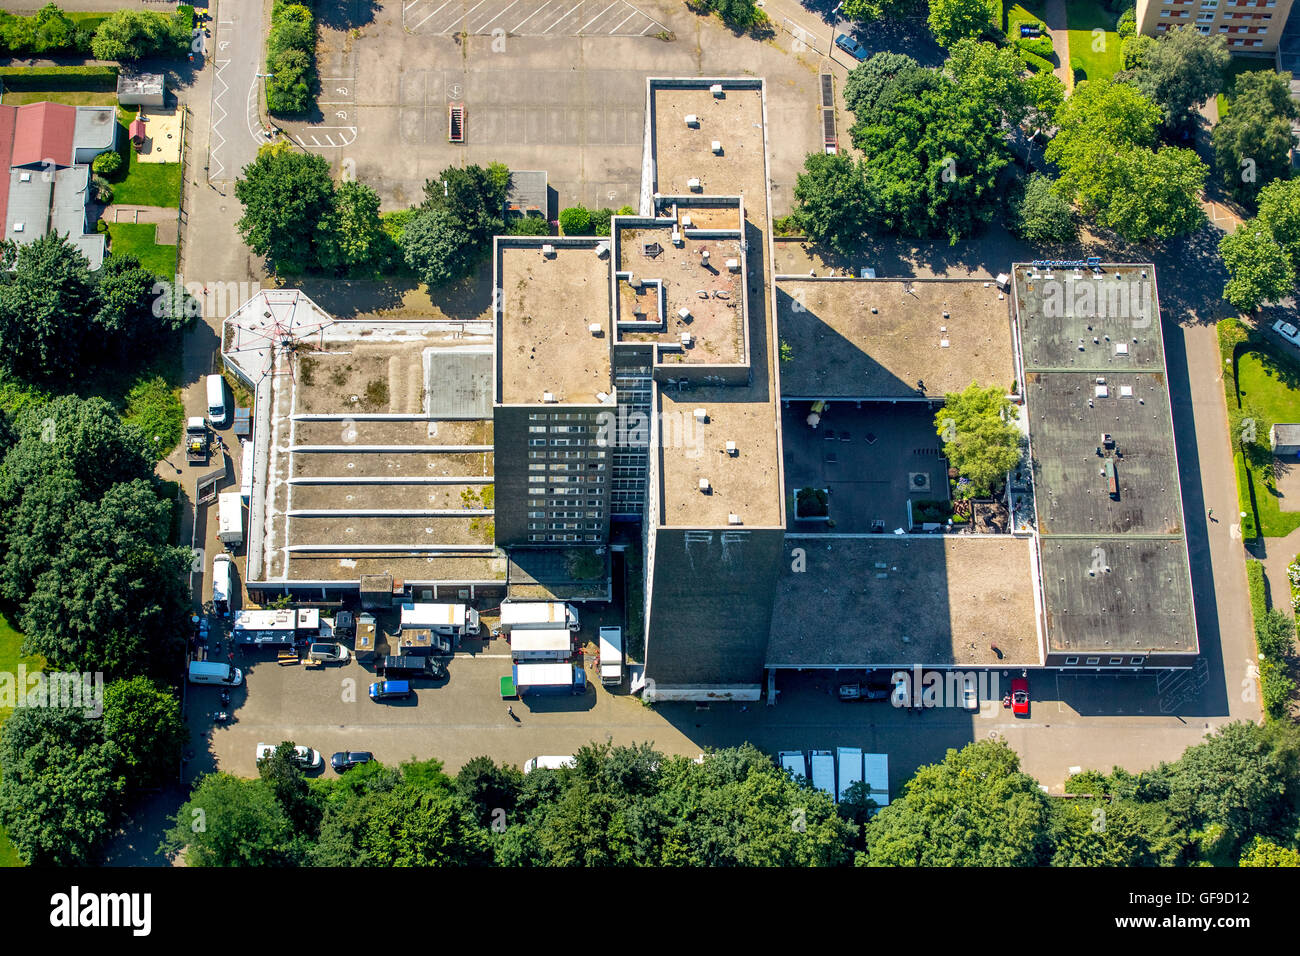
(49, 33)
(1245, 499)
(1255, 585)
(290, 58)
(99, 79)
(1035, 62)
(1041, 46)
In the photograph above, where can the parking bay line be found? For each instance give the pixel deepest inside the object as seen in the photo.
(562, 16)
(500, 15)
(625, 19)
(422, 22)
(598, 16)
(473, 8)
(530, 16)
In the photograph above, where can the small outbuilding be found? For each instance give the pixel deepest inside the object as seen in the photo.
(141, 89)
(1284, 439)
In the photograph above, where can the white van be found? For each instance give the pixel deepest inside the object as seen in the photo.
(213, 672)
(549, 763)
(611, 656)
(218, 412)
(223, 581)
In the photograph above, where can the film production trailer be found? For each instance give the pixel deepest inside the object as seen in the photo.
(823, 772)
(541, 644)
(537, 614)
(230, 519)
(549, 679)
(446, 620)
(850, 766)
(223, 583)
(611, 656)
(794, 763)
(212, 672)
(875, 771)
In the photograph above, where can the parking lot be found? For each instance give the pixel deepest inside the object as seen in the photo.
(528, 18)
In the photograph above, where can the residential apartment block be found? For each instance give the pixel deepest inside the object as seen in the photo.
(1249, 26)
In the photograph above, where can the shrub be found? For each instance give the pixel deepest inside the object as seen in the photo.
(600, 221)
(1040, 46)
(1245, 500)
(103, 190)
(108, 164)
(154, 408)
(1275, 635)
(1276, 689)
(1035, 62)
(575, 221)
(1126, 26)
(290, 59)
(529, 226)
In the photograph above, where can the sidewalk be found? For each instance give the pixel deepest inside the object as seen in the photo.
(1057, 25)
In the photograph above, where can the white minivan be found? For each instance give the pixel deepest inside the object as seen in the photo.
(218, 412)
(214, 672)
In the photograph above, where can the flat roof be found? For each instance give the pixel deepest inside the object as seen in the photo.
(548, 303)
(897, 601)
(906, 348)
(682, 153)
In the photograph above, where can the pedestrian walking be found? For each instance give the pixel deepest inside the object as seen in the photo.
(510, 711)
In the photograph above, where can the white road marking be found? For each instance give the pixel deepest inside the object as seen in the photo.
(598, 16)
(530, 16)
(422, 22)
(625, 19)
(473, 8)
(409, 5)
(562, 16)
(500, 15)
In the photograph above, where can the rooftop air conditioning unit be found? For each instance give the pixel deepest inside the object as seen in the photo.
(1126, 391)
(684, 312)
(677, 236)
(548, 397)
(716, 89)
(692, 121)
(701, 414)
(602, 250)
(548, 250)
(731, 449)
(18, 226)
(704, 257)
(704, 485)
(594, 328)
(733, 265)
(693, 185)
(24, 177)
(686, 340)
(686, 222)
(633, 283)
(717, 146)
(733, 519)
(1121, 348)
(1102, 391)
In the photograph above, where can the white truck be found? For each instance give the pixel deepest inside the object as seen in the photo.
(537, 614)
(445, 620)
(541, 644)
(794, 763)
(549, 762)
(230, 519)
(849, 760)
(875, 771)
(223, 583)
(611, 656)
(823, 772)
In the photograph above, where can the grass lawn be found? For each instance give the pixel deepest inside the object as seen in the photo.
(1236, 66)
(145, 184)
(70, 97)
(1269, 389)
(10, 657)
(137, 239)
(1082, 18)
(1022, 12)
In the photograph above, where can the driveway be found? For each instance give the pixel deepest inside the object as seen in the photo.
(236, 52)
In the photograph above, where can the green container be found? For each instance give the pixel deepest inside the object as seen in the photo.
(508, 687)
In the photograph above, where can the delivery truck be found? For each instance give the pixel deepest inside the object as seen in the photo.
(230, 519)
(823, 772)
(611, 656)
(214, 672)
(549, 679)
(875, 771)
(223, 583)
(795, 764)
(850, 768)
(447, 620)
(411, 667)
(537, 614)
(541, 644)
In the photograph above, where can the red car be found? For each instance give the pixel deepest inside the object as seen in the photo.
(1020, 697)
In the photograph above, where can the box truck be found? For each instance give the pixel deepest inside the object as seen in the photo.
(611, 656)
(794, 763)
(230, 519)
(549, 762)
(823, 772)
(850, 768)
(212, 672)
(542, 644)
(549, 679)
(875, 771)
(223, 583)
(542, 614)
(447, 620)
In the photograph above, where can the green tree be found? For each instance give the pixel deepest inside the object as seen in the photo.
(437, 247)
(232, 822)
(491, 791)
(1259, 270)
(1181, 71)
(870, 78)
(352, 233)
(144, 720)
(575, 221)
(129, 320)
(991, 75)
(291, 74)
(864, 11)
(1112, 833)
(414, 826)
(979, 439)
(831, 202)
(953, 20)
(46, 303)
(286, 196)
(1279, 213)
(1252, 142)
(528, 226)
(62, 789)
(1042, 215)
(282, 774)
(138, 34)
(54, 30)
(1262, 852)
(1136, 51)
(975, 809)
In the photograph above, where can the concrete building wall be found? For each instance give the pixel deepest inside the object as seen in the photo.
(1248, 26)
(710, 605)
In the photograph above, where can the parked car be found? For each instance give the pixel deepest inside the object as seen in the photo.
(328, 653)
(347, 759)
(1020, 697)
(382, 690)
(306, 758)
(851, 46)
(865, 691)
(1287, 331)
(970, 697)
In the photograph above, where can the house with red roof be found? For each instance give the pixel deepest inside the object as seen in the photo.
(45, 155)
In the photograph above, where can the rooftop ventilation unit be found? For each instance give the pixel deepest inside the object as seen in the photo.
(704, 257)
(594, 328)
(548, 250)
(692, 121)
(693, 185)
(686, 222)
(548, 397)
(716, 90)
(677, 236)
(602, 250)
(731, 449)
(19, 226)
(733, 519)
(633, 283)
(1126, 391)
(717, 146)
(705, 487)
(24, 177)
(1102, 391)
(701, 414)
(684, 313)
(733, 265)
(1121, 348)
(686, 340)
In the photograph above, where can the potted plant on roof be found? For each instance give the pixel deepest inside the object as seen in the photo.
(812, 504)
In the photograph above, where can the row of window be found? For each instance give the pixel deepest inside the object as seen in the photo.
(564, 514)
(563, 526)
(560, 429)
(562, 479)
(1097, 660)
(558, 416)
(562, 537)
(560, 466)
(542, 503)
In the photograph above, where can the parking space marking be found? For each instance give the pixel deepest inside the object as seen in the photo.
(498, 16)
(422, 22)
(598, 16)
(531, 19)
(563, 15)
(629, 17)
(530, 16)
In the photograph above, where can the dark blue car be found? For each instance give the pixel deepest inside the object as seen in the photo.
(390, 690)
(851, 46)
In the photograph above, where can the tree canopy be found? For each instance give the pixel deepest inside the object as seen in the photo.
(979, 439)
(1253, 140)
(1181, 70)
(833, 206)
(451, 232)
(287, 195)
(1259, 270)
(954, 20)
